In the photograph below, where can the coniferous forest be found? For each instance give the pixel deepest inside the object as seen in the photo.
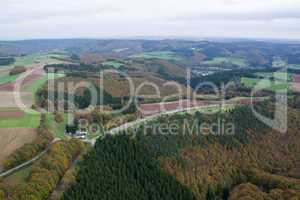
(256, 163)
(120, 168)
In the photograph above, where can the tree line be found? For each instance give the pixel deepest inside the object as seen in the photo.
(45, 174)
(6, 60)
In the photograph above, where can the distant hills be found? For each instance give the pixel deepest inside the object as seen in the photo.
(255, 53)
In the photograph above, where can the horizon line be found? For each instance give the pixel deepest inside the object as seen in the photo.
(187, 38)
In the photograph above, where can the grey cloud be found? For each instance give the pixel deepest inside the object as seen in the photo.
(96, 18)
(270, 14)
(24, 15)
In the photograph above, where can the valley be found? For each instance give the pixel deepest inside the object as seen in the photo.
(147, 119)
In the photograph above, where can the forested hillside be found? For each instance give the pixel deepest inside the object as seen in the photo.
(120, 168)
(255, 163)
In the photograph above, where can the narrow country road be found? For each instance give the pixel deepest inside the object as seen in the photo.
(15, 169)
(139, 122)
(114, 131)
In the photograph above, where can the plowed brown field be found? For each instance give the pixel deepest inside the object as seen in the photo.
(14, 138)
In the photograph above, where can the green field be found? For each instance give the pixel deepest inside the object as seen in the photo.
(265, 84)
(57, 128)
(26, 61)
(8, 78)
(120, 50)
(294, 66)
(36, 85)
(277, 75)
(114, 64)
(28, 120)
(165, 55)
(35, 58)
(219, 60)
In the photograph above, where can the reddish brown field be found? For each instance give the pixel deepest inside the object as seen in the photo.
(296, 78)
(146, 110)
(296, 83)
(11, 114)
(156, 108)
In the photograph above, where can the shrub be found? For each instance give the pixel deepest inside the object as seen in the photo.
(58, 117)
(17, 70)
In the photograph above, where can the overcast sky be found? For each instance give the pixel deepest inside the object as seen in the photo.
(24, 19)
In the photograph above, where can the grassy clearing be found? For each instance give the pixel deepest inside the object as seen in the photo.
(36, 85)
(114, 64)
(119, 50)
(57, 128)
(219, 60)
(26, 60)
(28, 120)
(165, 55)
(265, 84)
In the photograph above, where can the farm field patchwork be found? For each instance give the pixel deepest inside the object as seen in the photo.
(16, 118)
(27, 61)
(278, 75)
(264, 84)
(34, 86)
(165, 55)
(35, 58)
